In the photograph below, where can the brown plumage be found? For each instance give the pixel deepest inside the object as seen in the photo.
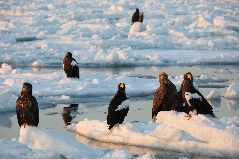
(191, 99)
(137, 17)
(27, 107)
(116, 113)
(70, 66)
(165, 96)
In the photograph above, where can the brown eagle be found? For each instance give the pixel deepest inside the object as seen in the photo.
(118, 107)
(191, 99)
(70, 66)
(165, 97)
(137, 17)
(27, 107)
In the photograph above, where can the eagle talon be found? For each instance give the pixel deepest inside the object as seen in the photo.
(189, 116)
(154, 118)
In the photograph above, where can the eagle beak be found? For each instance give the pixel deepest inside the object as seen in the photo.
(189, 76)
(122, 85)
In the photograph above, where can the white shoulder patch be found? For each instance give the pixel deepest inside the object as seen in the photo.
(125, 104)
(73, 63)
(189, 96)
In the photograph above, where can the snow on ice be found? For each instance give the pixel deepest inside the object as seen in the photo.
(38, 143)
(172, 131)
(37, 33)
(97, 33)
(233, 91)
(44, 140)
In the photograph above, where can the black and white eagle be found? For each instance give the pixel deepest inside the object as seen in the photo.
(192, 99)
(165, 96)
(118, 107)
(69, 113)
(27, 107)
(137, 17)
(70, 66)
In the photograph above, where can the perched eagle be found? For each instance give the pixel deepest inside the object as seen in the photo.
(137, 17)
(165, 96)
(70, 66)
(118, 107)
(192, 99)
(69, 113)
(27, 107)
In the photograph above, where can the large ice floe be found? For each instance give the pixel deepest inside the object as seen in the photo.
(97, 32)
(38, 143)
(172, 131)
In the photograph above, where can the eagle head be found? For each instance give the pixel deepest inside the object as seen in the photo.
(163, 78)
(68, 54)
(188, 76)
(26, 89)
(121, 87)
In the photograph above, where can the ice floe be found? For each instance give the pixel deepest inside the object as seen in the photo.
(172, 131)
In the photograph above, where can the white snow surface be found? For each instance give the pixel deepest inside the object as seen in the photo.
(44, 140)
(96, 32)
(233, 91)
(172, 131)
(15, 149)
(39, 143)
(135, 30)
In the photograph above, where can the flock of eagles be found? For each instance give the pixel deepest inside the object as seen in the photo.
(166, 97)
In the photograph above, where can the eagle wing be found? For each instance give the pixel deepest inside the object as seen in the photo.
(204, 107)
(197, 101)
(18, 111)
(159, 96)
(35, 111)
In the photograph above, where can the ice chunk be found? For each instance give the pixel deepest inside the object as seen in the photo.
(214, 94)
(233, 91)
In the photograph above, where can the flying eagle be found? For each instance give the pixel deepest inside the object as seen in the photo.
(165, 96)
(137, 17)
(70, 66)
(118, 107)
(27, 107)
(192, 99)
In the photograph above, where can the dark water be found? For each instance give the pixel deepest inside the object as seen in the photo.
(140, 109)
